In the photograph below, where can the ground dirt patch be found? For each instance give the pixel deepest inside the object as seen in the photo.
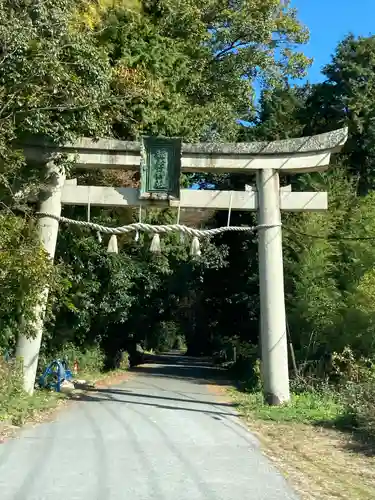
(320, 463)
(113, 379)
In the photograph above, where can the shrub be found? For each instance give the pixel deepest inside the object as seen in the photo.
(164, 337)
(246, 367)
(179, 343)
(359, 400)
(90, 359)
(10, 386)
(24, 273)
(122, 361)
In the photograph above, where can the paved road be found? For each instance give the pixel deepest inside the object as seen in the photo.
(162, 436)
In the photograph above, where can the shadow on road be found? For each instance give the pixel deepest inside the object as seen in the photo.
(176, 366)
(130, 393)
(169, 396)
(105, 396)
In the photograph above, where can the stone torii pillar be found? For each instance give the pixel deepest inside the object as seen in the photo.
(274, 344)
(50, 202)
(265, 159)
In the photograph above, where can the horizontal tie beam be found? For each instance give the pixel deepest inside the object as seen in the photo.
(190, 198)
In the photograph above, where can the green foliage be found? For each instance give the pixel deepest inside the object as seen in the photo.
(346, 401)
(242, 359)
(122, 67)
(90, 360)
(124, 361)
(328, 269)
(98, 292)
(11, 383)
(329, 257)
(359, 401)
(120, 300)
(24, 273)
(346, 97)
(165, 336)
(280, 115)
(54, 85)
(187, 68)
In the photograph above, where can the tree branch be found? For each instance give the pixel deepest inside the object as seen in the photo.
(233, 45)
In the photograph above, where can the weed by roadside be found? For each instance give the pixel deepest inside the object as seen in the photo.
(307, 407)
(16, 407)
(21, 408)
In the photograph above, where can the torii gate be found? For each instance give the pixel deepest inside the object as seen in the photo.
(266, 159)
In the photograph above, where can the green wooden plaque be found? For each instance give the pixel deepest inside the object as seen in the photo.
(160, 168)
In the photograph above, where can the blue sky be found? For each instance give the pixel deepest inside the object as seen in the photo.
(329, 21)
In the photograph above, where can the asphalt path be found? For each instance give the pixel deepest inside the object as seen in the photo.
(162, 435)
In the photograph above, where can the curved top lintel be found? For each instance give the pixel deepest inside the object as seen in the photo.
(329, 142)
(304, 154)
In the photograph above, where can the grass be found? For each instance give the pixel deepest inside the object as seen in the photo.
(320, 461)
(18, 408)
(307, 407)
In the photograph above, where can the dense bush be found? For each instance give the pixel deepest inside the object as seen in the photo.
(343, 397)
(357, 392)
(24, 272)
(167, 337)
(90, 359)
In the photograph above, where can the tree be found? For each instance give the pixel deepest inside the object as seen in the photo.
(54, 84)
(23, 273)
(187, 69)
(329, 257)
(281, 114)
(180, 68)
(346, 97)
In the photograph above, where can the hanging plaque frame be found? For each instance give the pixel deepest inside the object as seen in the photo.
(160, 168)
